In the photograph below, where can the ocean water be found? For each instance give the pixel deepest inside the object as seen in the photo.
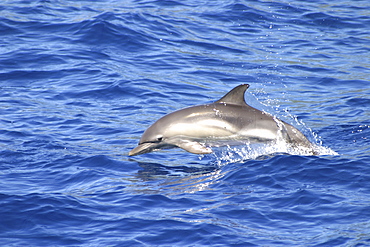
(81, 80)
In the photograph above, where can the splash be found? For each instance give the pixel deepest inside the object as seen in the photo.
(260, 151)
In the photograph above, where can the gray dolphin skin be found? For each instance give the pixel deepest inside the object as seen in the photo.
(228, 121)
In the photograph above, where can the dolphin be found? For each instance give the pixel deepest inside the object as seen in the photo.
(227, 121)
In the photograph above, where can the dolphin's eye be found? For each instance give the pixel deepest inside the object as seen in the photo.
(159, 138)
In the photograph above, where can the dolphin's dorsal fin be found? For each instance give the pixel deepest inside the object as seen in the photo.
(235, 96)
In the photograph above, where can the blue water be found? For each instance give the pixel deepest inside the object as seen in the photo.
(81, 80)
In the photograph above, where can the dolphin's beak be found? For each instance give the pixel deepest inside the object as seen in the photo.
(143, 148)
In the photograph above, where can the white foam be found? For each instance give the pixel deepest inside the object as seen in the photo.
(233, 154)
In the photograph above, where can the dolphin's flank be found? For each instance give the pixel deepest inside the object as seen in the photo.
(228, 121)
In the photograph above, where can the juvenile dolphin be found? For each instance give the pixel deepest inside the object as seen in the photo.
(228, 121)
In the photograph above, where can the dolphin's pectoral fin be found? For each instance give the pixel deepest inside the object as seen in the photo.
(194, 147)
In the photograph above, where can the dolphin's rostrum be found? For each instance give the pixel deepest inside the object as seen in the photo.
(228, 121)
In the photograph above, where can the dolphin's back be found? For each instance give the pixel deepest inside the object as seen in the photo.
(229, 122)
(217, 120)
